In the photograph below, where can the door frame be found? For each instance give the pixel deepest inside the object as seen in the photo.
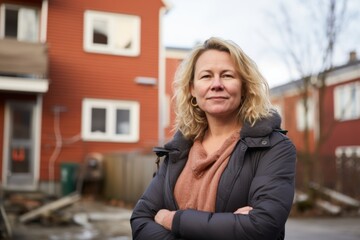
(36, 125)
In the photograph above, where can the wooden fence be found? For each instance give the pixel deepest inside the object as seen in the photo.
(126, 175)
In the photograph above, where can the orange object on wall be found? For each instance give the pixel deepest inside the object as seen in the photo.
(18, 155)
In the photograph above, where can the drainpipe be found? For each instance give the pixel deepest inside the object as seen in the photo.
(57, 149)
(37, 137)
(44, 21)
(161, 83)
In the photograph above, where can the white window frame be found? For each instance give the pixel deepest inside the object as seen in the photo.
(300, 114)
(22, 23)
(117, 24)
(110, 133)
(347, 101)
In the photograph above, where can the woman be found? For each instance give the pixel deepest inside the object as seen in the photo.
(229, 171)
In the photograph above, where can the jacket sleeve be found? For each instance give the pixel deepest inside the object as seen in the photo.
(271, 196)
(142, 220)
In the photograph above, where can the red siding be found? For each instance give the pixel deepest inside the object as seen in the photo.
(171, 66)
(328, 169)
(76, 74)
(344, 133)
(289, 120)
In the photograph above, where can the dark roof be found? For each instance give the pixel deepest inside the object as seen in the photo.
(286, 87)
(183, 49)
(297, 83)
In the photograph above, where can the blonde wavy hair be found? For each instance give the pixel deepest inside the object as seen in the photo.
(255, 103)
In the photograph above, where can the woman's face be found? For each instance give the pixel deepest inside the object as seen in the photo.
(216, 85)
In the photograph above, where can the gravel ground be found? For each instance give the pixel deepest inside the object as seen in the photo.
(83, 220)
(336, 228)
(91, 220)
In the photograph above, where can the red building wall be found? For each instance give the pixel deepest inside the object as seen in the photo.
(174, 57)
(342, 133)
(75, 74)
(171, 66)
(288, 105)
(328, 169)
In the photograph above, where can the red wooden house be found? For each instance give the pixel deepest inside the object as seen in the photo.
(174, 56)
(335, 113)
(76, 77)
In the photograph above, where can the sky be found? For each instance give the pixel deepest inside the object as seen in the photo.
(252, 25)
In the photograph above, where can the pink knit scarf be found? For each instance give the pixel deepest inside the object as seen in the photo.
(197, 184)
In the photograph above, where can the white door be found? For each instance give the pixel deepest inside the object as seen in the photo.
(19, 145)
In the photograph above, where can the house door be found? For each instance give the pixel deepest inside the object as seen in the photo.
(19, 145)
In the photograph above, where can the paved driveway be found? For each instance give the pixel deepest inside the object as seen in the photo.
(119, 228)
(323, 229)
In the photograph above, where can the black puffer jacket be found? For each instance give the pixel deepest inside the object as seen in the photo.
(260, 174)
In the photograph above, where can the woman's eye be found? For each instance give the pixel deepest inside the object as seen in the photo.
(205, 76)
(228, 76)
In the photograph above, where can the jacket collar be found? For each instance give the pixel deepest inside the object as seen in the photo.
(254, 136)
(262, 127)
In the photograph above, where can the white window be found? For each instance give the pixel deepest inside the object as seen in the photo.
(302, 116)
(111, 33)
(347, 101)
(18, 22)
(110, 120)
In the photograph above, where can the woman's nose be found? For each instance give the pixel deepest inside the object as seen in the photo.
(217, 83)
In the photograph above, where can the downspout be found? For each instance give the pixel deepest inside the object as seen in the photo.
(44, 20)
(316, 109)
(37, 138)
(57, 149)
(161, 82)
(43, 39)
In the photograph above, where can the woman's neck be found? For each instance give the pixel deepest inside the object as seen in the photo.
(218, 128)
(217, 133)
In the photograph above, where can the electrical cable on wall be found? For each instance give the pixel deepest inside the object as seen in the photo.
(59, 142)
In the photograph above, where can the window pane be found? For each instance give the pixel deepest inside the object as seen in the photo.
(20, 160)
(305, 117)
(124, 36)
(28, 25)
(346, 102)
(11, 23)
(352, 101)
(21, 123)
(122, 121)
(98, 120)
(100, 32)
(110, 120)
(112, 33)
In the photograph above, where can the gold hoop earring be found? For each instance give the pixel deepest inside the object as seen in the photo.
(193, 102)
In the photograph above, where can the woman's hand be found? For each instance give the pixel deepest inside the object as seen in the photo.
(165, 217)
(243, 210)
